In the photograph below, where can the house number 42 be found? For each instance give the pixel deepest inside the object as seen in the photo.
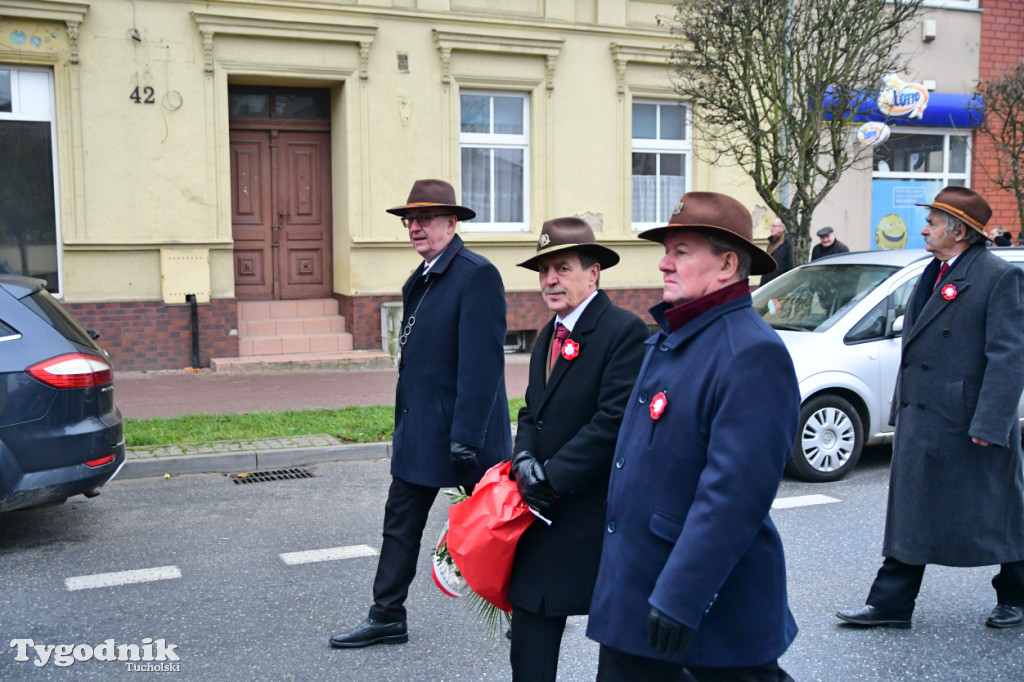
(142, 95)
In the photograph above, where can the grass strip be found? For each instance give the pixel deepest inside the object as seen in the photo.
(347, 424)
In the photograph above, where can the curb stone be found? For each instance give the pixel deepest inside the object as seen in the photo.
(238, 458)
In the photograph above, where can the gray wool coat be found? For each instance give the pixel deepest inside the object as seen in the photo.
(952, 502)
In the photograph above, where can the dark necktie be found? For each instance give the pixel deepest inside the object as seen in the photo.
(942, 273)
(561, 334)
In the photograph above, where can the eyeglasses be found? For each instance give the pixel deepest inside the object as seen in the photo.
(424, 219)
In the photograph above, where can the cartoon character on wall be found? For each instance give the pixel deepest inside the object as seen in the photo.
(891, 233)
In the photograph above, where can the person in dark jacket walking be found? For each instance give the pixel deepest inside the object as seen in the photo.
(451, 410)
(577, 391)
(780, 249)
(692, 571)
(956, 485)
(828, 244)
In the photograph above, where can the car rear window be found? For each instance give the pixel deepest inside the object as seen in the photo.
(46, 307)
(7, 332)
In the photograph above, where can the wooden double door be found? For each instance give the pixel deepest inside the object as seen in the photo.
(281, 213)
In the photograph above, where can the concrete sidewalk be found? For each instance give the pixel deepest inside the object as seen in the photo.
(176, 393)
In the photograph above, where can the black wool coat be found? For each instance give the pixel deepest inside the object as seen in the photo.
(570, 423)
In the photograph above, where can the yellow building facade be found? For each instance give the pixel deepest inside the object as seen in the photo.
(246, 151)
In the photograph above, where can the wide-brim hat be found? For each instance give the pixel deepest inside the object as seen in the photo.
(964, 204)
(562, 234)
(717, 214)
(433, 194)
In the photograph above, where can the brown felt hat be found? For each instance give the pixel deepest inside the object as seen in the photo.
(561, 234)
(717, 214)
(433, 193)
(965, 204)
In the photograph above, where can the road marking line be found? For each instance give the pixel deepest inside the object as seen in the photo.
(802, 501)
(144, 575)
(329, 554)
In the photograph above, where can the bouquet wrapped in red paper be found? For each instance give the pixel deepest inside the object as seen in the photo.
(482, 535)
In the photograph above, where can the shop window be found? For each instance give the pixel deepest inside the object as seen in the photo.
(923, 155)
(28, 196)
(494, 141)
(661, 160)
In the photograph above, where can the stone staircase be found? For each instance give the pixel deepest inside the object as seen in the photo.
(295, 335)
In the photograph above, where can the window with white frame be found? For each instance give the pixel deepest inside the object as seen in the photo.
(28, 181)
(952, 4)
(661, 160)
(924, 155)
(494, 140)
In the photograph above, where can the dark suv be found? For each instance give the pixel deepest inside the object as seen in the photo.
(60, 434)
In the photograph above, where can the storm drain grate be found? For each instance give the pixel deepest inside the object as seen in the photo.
(273, 475)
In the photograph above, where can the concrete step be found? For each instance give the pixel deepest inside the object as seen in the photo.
(351, 360)
(267, 328)
(265, 310)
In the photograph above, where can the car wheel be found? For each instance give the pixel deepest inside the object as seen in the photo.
(829, 442)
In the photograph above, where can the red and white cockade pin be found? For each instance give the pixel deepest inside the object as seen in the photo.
(658, 405)
(949, 292)
(570, 349)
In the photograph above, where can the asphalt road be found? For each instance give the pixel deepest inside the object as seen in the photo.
(239, 610)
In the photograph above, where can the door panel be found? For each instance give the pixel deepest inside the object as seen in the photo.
(304, 186)
(251, 218)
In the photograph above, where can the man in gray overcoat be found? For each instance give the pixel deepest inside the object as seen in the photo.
(956, 488)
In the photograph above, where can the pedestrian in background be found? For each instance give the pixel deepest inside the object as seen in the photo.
(451, 410)
(828, 244)
(581, 372)
(956, 487)
(780, 249)
(692, 572)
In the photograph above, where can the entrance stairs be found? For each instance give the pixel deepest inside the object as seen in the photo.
(295, 335)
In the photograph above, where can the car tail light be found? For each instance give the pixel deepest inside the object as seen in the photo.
(100, 462)
(73, 370)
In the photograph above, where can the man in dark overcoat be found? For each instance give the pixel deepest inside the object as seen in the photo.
(780, 249)
(828, 244)
(451, 410)
(582, 369)
(692, 569)
(956, 488)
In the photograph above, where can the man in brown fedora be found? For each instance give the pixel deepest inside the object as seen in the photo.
(956, 487)
(582, 369)
(451, 411)
(692, 572)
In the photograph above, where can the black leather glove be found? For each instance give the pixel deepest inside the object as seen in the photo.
(463, 458)
(532, 481)
(666, 635)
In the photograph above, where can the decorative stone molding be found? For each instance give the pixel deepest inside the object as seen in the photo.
(448, 41)
(211, 24)
(624, 54)
(68, 11)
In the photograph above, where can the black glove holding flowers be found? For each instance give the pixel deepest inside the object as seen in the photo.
(463, 458)
(666, 635)
(532, 481)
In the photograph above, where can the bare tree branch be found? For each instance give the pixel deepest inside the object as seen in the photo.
(1004, 127)
(774, 86)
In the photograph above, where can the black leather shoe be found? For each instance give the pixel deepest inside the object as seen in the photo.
(869, 616)
(1005, 616)
(371, 632)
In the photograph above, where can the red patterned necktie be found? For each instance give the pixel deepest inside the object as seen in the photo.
(561, 334)
(942, 273)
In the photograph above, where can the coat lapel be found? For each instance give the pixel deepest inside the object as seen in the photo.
(582, 329)
(936, 304)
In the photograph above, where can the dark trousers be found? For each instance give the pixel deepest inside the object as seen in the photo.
(405, 515)
(535, 643)
(897, 584)
(618, 666)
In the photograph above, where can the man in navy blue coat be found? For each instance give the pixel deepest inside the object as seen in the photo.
(451, 410)
(692, 571)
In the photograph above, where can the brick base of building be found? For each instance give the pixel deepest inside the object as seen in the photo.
(149, 335)
(526, 311)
